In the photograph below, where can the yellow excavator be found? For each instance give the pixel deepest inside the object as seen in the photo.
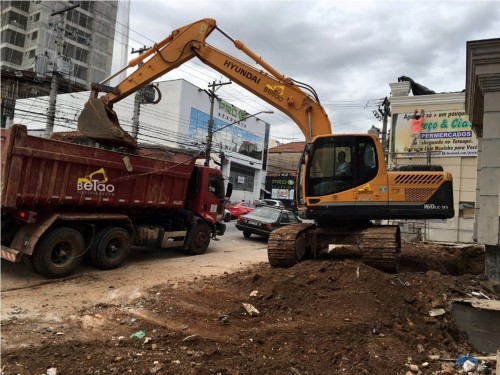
(343, 185)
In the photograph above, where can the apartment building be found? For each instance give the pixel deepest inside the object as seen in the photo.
(74, 38)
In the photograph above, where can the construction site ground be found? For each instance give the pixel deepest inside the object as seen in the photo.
(329, 316)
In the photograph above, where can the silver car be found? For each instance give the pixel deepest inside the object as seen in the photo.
(274, 203)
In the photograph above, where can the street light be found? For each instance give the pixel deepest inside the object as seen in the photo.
(211, 133)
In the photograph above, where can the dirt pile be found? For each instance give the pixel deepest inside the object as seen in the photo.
(319, 317)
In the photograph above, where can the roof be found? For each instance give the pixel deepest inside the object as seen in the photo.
(289, 147)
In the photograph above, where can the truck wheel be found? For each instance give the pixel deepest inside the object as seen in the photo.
(59, 252)
(247, 234)
(111, 247)
(200, 241)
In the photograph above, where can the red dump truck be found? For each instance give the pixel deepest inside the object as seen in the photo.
(64, 202)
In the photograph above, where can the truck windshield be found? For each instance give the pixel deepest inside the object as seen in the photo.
(216, 185)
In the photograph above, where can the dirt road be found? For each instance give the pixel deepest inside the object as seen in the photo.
(27, 295)
(228, 312)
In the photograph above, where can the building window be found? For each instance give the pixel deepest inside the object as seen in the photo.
(12, 56)
(34, 35)
(13, 37)
(242, 178)
(466, 210)
(229, 137)
(80, 72)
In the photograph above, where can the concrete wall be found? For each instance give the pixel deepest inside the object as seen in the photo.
(483, 106)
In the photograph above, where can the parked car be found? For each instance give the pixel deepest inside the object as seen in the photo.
(263, 220)
(258, 203)
(227, 215)
(239, 209)
(273, 203)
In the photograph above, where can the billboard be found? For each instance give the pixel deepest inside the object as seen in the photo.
(281, 186)
(444, 134)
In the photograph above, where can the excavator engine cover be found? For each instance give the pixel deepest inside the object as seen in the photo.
(100, 123)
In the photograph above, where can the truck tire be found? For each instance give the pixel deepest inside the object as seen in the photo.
(111, 247)
(59, 252)
(200, 241)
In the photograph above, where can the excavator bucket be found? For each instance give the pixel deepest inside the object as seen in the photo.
(100, 123)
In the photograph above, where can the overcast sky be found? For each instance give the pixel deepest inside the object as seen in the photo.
(348, 51)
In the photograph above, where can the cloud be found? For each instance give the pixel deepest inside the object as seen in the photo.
(347, 51)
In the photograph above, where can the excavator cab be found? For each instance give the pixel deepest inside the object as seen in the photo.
(100, 123)
(339, 163)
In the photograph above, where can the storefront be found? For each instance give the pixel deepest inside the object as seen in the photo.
(446, 139)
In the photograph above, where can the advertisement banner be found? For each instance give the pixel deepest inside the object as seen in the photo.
(281, 186)
(444, 134)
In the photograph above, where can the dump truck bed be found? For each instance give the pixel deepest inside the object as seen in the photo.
(38, 172)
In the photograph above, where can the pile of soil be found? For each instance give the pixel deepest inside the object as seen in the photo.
(329, 316)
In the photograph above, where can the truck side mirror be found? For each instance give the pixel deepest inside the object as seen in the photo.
(229, 189)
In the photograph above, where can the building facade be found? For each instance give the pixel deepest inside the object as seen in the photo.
(75, 38)
(282, 167)
(180, 119)
(239, 140)
(446, 139)
(483, 107)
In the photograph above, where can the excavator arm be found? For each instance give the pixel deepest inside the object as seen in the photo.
(99, 122)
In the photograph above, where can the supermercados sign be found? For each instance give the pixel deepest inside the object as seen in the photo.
(444, 133)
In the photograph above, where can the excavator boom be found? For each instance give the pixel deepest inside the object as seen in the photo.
(98, 121)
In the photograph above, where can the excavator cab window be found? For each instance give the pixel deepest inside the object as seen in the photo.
(367, 160)
(340, 163)
(299, 196)
(330, 167)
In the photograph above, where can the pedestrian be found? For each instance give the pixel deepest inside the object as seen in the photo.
(416, 129)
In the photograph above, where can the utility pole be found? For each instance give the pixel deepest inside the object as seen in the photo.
(137, 102)
(54, 85)
(382, 114)
(211, 93)
(9, 95)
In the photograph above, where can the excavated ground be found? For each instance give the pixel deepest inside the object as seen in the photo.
(329, 316)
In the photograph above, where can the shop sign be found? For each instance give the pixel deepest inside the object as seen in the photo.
(444, 133)
(228, 109)
(281, 186)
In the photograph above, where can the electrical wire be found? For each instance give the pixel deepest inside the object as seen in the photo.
(249, 101)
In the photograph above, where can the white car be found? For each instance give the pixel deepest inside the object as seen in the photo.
(273, 203)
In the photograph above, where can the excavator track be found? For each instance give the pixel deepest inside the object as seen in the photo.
(288, 245)
(381, 247)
